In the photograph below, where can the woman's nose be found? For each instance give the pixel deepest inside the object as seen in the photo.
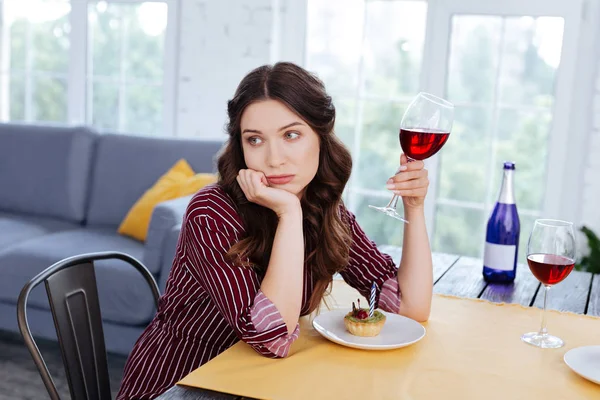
(275, 155)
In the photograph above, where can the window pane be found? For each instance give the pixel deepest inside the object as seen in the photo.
(501, 76)
(127, 49)
(394, 47)
(526, 222)
(144, 110)
(531, 54)
(38, 40)
(459, 230)
(37, 60)
(19, 28)
(50, 99)
(368, 53)
(105, 106)
(345, 115)
(521, 138)
(105, 38)
(380, 149)
(128, 39)
(17, 98)
(473, 62)
(333, 42)
(465, 157)
(146, 47)
(379, 227)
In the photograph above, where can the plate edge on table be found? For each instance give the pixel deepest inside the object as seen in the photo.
(574, 370)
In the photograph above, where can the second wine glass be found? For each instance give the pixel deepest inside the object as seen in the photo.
(424, 129)
(551, 257)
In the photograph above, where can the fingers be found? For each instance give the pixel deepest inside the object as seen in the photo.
(409, 184)
(243, 184)
(412, 165)
(412, 182)
(415, 165)
(408, 175)
(247, 184)
(419, 192)
(255, 180)
(264, 179)
(403, 159)
(251, 182)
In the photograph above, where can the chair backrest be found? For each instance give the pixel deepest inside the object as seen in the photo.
(73, 297)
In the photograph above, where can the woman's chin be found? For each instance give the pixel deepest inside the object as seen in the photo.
(290, 188)
(295, 192)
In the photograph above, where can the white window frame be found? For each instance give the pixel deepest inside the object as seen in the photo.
(288, 31)
(353, 192)
(557, 203)
(569, 136)
(78, 97)
(28, 73)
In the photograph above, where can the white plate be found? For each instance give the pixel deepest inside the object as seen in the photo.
(397, 332)
(585, 361)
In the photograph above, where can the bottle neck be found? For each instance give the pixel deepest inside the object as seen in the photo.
(507, 194)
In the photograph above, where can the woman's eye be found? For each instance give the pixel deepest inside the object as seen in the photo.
(292, 135)
(254, 140)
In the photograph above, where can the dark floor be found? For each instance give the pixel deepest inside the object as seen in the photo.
(19, 377)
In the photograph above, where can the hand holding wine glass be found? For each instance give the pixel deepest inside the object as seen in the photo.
(551, 258)
(411, 183)
(424, 129)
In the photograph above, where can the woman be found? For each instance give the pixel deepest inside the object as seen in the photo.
(259, 249)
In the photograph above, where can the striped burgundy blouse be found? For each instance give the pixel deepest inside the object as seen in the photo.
(210, 304)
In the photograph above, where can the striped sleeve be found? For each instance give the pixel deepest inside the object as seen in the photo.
(234, 290)
(367, 265)
(264, 315)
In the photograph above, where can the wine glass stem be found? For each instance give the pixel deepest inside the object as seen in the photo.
(543, 330)
(394, 201)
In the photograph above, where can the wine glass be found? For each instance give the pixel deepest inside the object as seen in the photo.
(424, 129)
(551, 257)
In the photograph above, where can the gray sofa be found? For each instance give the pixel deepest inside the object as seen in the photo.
(64, 191)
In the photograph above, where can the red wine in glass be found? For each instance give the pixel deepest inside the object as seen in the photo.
(550, 269)
(420, 144)
(551, 257)
(425, 127)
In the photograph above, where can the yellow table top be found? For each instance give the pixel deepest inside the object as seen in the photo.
(472, 350)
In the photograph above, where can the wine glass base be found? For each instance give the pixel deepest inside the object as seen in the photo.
(390, 212)
(544, 341)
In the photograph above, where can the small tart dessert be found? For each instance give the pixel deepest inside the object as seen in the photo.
(358, 323)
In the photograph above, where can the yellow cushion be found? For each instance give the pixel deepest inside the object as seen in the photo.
(179, 181)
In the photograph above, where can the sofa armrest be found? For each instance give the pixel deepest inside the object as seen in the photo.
(169, 249)
(165, 215)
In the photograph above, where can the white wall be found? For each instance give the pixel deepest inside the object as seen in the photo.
(591, 191)
(220, 41)
(590, 184)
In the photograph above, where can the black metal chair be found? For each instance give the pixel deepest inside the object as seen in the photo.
(73, 298)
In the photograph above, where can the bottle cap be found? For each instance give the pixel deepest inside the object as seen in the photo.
(509, 165)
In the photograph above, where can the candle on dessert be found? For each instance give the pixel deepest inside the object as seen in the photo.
(372, 301)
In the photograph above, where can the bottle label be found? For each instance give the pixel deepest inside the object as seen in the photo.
(499, 256)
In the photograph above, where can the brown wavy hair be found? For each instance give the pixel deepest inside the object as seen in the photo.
(327, 235)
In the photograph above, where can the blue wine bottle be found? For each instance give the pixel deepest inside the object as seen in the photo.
(502, 238)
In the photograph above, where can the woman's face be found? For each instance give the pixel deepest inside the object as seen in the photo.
(278, 143)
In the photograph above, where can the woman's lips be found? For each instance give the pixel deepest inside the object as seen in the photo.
(280, 179)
